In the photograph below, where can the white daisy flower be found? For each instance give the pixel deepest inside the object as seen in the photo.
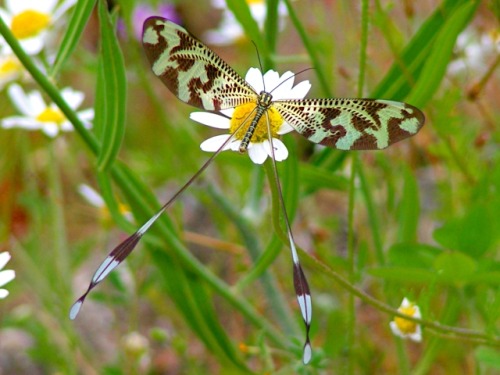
(30, 20)
(38, 115)
(259, 148)
(6, 275)
(96, 200)
(230, 30)
(404, 328)
(474, 52)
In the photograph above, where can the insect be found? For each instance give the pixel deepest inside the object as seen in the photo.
(199, 77)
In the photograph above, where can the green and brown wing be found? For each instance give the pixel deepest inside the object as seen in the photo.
(191, 70)
(352, 124)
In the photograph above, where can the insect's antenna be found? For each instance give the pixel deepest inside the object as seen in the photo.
(260, 64)
(122, 250)
(291, 77)
(299, 279)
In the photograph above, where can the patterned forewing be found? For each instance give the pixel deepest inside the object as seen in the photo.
(192, 71)
(351, 124)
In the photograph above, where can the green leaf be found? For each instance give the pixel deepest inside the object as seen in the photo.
(404, 274)
(454, 267)
(473, 234)
(412, 255)
(313, 178)
(489, 357)
(76, 25)
(115, 90)
(409, 209)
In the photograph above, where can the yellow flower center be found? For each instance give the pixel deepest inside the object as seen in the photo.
(243, 116)
(51, 115)
(29, 23)
(10, 65)
(406, 326)
(250, 2)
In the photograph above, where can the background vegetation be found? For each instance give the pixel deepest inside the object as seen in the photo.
(210, 289)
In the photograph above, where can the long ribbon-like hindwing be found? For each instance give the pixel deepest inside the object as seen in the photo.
(199, 77)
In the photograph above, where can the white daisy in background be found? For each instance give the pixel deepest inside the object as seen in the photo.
(6, 275)
(230, 30)
(30, 20)
(11, 69)
(259, 148)
(96, 200)
(474, 52)
(404, 328)
(47, 118)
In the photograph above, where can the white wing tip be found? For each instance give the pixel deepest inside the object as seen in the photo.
(75, 309)
(306, 357)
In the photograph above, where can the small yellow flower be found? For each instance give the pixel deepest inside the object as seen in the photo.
(404, 328)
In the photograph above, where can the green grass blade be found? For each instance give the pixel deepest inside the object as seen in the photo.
(435, 65)
(405, 71)
(196, 304)
(409, 208)
(115, 90)
(76, 25)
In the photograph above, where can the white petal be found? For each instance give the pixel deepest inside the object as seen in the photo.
(18, 97)
(300, 90)
(27, 123)
(271, 79)
(417, 335)
(215, 143)
(66, 126)
(43, 6)
(15, 6)
(4, 258)
(51, 129)
(285, 128)
(235, 145)
(220, 38)
(258, 11)
(395, 330)
(61, 9)
(280, 150)
(406, 303)
(282, 89)
(219, 4)
(72, 97)
(210, 119)
(227, 112)
(254, 78)
(257, 153)
(33, 45)
(86, 114)
(7, 276)
(7, 18)
(3, 293)
(91, 195)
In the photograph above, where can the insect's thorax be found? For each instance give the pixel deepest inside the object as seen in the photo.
(254, 125)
